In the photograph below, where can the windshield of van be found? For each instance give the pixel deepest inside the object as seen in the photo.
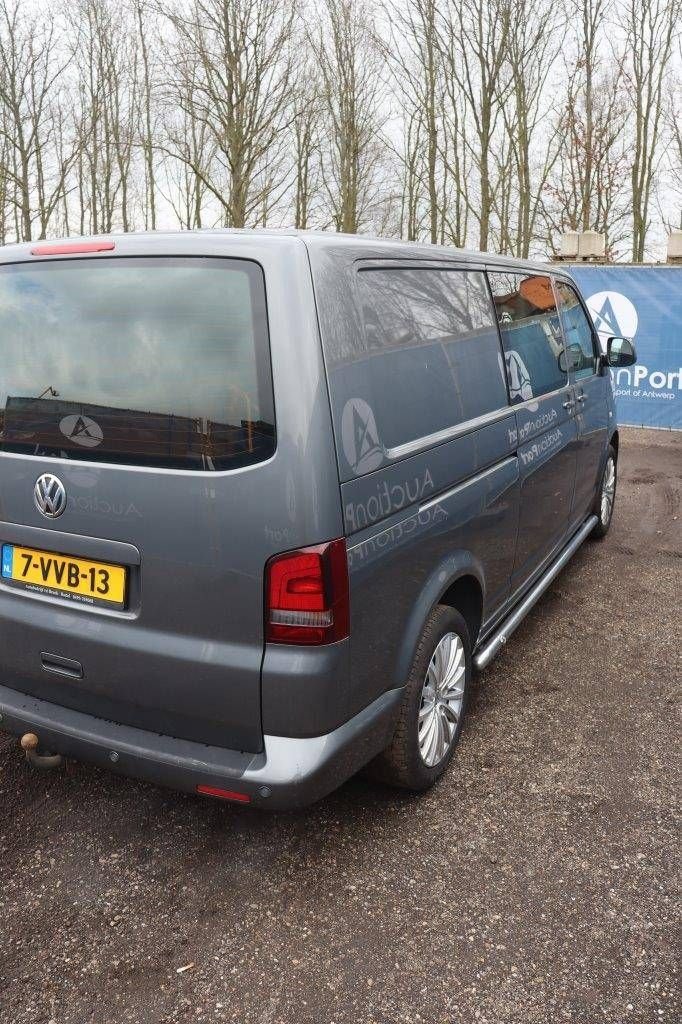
(159, 362)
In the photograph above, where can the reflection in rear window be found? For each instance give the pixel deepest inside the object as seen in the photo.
(158, 362)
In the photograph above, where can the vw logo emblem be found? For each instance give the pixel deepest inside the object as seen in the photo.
(49, 495)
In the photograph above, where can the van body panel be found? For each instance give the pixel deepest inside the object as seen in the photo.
(593, 396)
(592, 420)
(171, 682)
(186, 655)
(547, 453)
(97, 548)
(405, 568)
(180, 684)
(290, 772)
(306, 691)
(415, 480)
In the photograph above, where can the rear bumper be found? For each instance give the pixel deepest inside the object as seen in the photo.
(290, 772)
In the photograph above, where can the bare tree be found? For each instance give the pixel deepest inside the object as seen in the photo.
(589, 15)
(673, 124)
(534, 41)
(478, 40)
(652, 28)
(586, 187)
(413, 53)
(5, 188)
(232, 74)
(106, 55)
(497, 123)
(349, 66)
(456, 154)
(185, 145)
(307, 126)
(148, 128)
(506, 193)
(32, 105)
(411, 189)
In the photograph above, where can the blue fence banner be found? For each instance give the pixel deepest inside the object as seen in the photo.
(643, 303)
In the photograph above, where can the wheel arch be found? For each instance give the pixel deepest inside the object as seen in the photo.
(465, 594)
(458, 582)
(615, 441)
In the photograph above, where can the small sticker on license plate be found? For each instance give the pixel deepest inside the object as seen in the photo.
(76, 579)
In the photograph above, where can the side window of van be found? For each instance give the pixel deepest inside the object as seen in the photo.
(582, 354)
(531, 334)
(429, 358)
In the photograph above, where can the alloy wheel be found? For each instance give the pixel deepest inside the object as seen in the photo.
(442, 699)
(608, 491)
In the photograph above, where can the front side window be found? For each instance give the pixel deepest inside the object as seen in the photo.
(582, 355)
(531, 334)
(155, 362)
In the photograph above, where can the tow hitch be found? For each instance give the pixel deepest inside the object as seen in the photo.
(45, 761)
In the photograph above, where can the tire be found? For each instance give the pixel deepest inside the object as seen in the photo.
(404, 763)
(603, 508)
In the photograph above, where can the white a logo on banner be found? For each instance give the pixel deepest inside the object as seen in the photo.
(613, 315)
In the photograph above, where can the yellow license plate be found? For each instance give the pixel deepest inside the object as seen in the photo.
(44, 572)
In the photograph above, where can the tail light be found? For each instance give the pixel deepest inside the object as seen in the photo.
(307, 595)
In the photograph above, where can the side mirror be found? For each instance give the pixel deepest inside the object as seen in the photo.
(620, 352)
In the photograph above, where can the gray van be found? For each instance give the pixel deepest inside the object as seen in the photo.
(268, 499)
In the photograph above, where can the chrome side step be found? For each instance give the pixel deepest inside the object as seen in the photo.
(503, 632)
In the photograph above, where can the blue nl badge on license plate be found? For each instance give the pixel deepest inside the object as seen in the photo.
(7, 560)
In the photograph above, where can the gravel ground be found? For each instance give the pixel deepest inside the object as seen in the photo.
(536, 883)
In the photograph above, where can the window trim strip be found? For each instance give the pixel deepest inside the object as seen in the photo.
(420, 444)
(470, 481)
(448, 434)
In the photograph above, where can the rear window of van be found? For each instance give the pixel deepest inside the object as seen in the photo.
(154, 362)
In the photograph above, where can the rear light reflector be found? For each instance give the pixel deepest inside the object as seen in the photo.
(306, 593)
(224, 794)
(69, 248)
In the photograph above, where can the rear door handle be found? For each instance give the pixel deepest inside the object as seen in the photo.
(61, 666)
(581, 398)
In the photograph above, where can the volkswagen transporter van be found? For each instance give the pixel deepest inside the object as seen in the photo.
(268, 499)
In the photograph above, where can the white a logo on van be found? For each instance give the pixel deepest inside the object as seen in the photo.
(519, 378)
(82, 430)
(360, 437)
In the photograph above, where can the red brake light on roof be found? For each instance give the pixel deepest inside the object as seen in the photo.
(307, 599)
(69, 248)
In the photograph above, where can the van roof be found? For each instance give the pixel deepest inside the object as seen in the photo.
(360, 246)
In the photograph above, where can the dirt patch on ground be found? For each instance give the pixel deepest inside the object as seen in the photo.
(536, 883)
